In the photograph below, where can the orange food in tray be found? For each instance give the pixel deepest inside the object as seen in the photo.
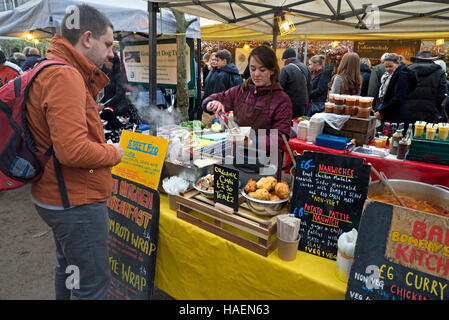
(412, 203)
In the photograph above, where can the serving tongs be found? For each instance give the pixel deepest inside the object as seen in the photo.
(234, 124)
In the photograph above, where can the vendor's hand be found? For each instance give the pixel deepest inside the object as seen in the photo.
(100, 107)
(215, 106)
(378, 116)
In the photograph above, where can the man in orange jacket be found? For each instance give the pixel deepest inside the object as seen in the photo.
(62, 112)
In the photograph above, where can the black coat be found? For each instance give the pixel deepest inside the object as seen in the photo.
(115, 91)
(209, 84)
(296, 83)
(425, 101)
(227, 77)
(366, 74)
(394, 107)
(320, 84)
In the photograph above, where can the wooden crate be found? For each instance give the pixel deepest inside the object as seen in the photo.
(246, 224)
(362, 130)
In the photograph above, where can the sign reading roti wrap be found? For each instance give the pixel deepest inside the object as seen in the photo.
(132, 241)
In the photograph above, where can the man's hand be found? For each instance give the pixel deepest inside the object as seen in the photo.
(215, 106)
(100, 107)
(118, 148)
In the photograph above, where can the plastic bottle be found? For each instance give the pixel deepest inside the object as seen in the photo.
(231, 116)
(409, 134)
(395, 138)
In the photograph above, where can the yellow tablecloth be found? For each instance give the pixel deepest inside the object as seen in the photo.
(195, 264)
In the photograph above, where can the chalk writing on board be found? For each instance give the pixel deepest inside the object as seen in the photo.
(328, 195)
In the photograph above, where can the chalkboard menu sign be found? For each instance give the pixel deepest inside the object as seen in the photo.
(133, 236)
(401, 254)
(329, 192)
(226, 186)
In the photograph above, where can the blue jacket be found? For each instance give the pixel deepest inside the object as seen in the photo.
(30, 62)
(227, 77)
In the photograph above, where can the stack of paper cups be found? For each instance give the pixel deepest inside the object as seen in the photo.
(345, 255)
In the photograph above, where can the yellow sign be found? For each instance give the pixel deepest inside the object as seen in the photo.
(143, 158)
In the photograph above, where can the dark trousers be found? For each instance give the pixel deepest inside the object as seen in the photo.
(82, 260)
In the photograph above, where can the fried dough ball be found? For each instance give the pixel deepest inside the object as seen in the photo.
(273, 197)
(260, 194)
(251, 186)
(282, 190)
(267, 183)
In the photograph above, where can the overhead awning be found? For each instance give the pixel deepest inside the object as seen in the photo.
(324, 18)
(41, 17)
(227, 32)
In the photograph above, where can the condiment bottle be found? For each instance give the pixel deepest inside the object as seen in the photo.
(409, 134)
(395, 138)
(231, 116)
(402, 149)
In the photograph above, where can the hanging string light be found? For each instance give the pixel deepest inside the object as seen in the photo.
(285, 24)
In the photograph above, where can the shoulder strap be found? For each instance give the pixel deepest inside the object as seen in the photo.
(44, 63)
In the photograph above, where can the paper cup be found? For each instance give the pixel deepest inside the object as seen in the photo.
(344, 264)
(443, 133)
(287, 249)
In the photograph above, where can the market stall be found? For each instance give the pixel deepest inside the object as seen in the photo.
(430, 173)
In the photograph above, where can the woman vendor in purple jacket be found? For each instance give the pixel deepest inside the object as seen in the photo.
(260, 101)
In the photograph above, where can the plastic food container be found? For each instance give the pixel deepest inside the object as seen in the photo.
(329, 107)
(332, 97)
(349, 110)
(365, 102)
(339, 100)
(364, 112)
(339, 109)
(351, 100)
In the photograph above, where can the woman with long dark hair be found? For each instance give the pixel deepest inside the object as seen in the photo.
(348, 79)
(260, 102)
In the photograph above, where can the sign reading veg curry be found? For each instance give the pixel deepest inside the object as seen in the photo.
(400, 254)
(328, 196)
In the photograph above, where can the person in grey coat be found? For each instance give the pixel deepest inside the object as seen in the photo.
(425, 101)
(374, 81)
(295, 78)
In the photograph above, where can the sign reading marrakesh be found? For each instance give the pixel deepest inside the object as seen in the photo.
(143, 158)
(400, 254)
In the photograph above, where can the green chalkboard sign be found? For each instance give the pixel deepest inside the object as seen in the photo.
(226, 186)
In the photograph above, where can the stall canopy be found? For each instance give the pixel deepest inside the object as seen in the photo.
(42, 17)
(321, 18)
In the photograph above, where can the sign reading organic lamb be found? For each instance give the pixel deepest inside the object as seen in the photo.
(137, 66)
(133, 237)
(329, 192)
(401, 254)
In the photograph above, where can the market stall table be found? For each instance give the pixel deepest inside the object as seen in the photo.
(195, 264)
(435, 174)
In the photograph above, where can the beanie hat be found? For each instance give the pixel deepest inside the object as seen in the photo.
(289, 53)
(2, 57)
